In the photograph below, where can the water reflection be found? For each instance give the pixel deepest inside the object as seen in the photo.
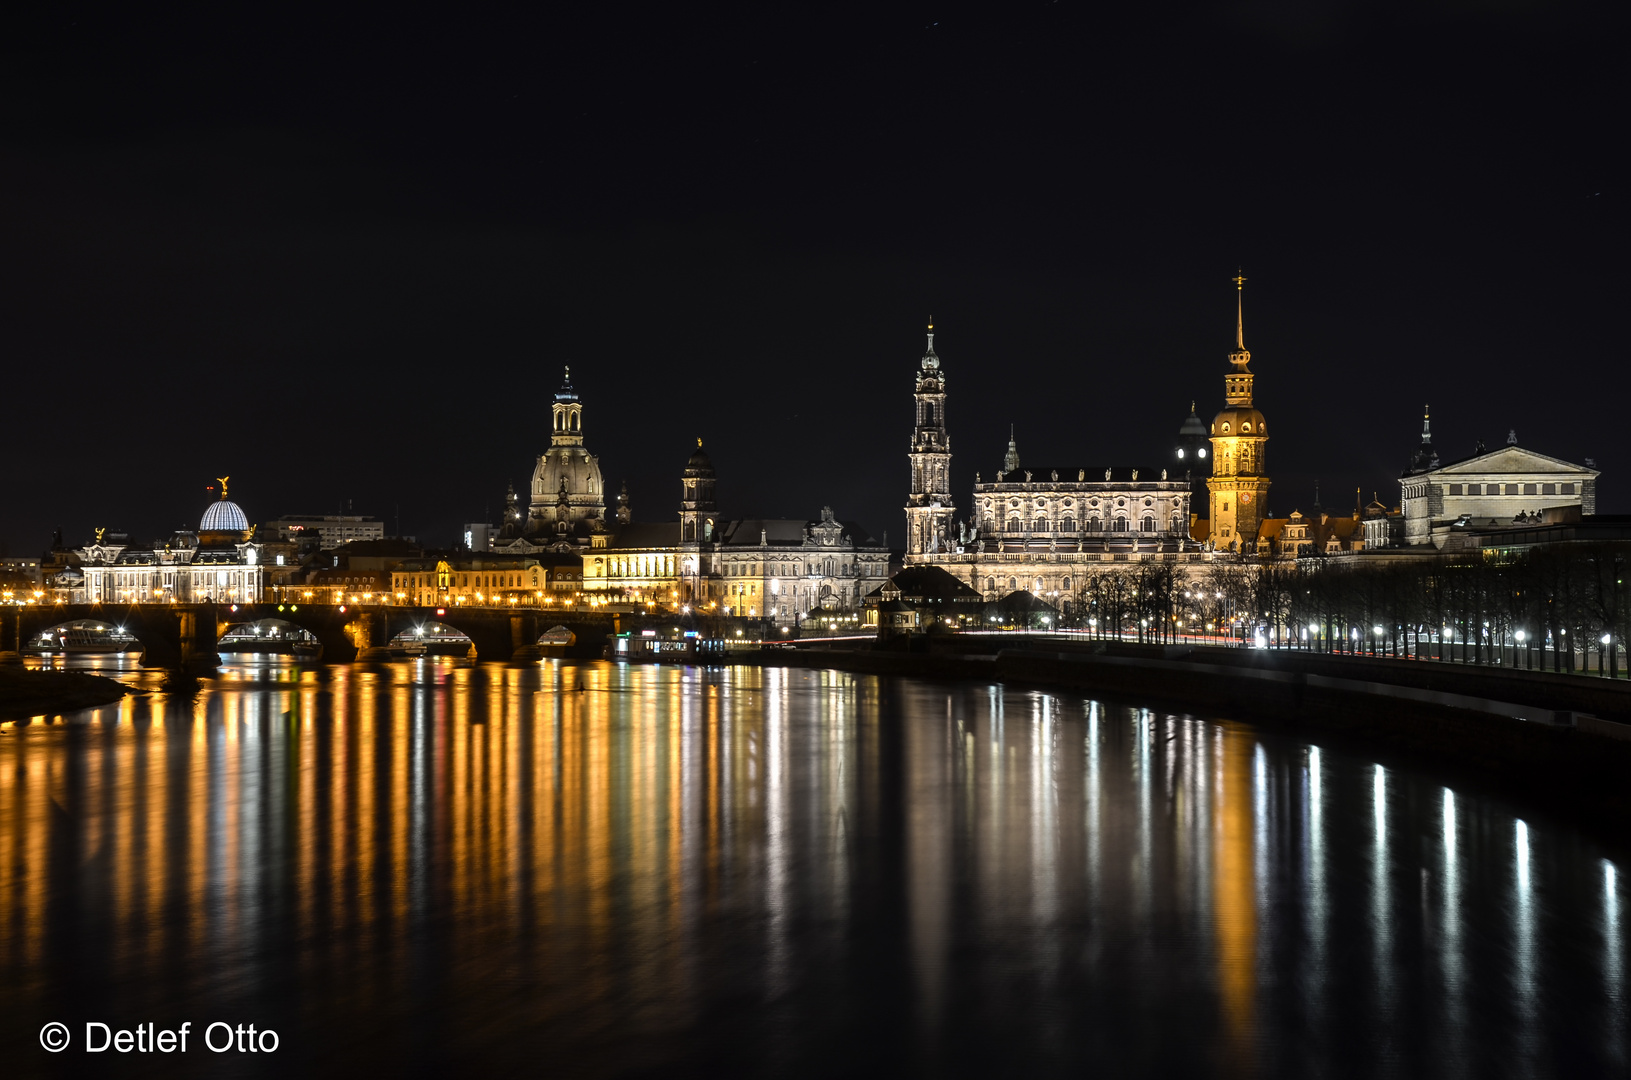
(435, 867)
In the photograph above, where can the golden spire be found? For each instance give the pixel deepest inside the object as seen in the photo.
(1240, 308)
(223, 482)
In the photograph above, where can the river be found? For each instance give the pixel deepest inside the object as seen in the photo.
(434, 868)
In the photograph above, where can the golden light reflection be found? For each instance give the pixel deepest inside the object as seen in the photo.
(1234, 888)
(590, 847)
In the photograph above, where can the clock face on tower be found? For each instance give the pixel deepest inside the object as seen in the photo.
(1245, 498)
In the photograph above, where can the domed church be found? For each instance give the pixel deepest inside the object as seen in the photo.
(568, 495)
(567, 491)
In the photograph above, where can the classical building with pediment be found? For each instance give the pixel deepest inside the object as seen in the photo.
(1508, 487)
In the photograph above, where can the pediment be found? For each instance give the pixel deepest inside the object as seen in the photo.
(1513, 459)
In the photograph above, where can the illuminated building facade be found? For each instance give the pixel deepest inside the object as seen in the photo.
(1239, 485)
(476, 579)
(776, 568)
(219, 562)
(1508, 487)
(1035, 529)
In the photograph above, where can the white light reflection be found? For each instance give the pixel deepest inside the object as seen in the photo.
(1093, 799)
(778, 959)
(1315, 910)
(1524, 944)
(1260, 829)
(1382, 921)
(1044, 817)
(1613, 954)
(1142, 882)
(1449, 946)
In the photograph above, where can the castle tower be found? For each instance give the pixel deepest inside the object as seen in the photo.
(1239, 485)
(929, 507)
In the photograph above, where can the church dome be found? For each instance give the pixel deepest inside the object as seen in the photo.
(700, 464)
(224, 515)
(576, 466)
(1193, 425)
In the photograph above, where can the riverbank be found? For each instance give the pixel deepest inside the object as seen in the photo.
(35, 693)
(1564, 739)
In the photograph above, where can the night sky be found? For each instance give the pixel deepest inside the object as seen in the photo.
(344, 259)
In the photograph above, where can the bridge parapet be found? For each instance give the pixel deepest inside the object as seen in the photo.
(185, 637)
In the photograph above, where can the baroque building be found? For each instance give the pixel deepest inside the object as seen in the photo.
(777, 568)
(1034, 529)
(221, 561)
(1239, 485)
(568, 495)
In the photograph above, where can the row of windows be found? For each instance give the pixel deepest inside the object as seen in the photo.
(1067, 503)
(1511, 489)
(1068, 525)
(463, 581)
(1036, 587)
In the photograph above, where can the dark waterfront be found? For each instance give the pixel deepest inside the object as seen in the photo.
(593, 869)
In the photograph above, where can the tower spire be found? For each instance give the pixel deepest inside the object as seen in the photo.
(1426, 426)
(1240, 309)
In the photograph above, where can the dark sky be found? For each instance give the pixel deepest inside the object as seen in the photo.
(345, 257)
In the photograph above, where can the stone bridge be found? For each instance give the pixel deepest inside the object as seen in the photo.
(183, 637)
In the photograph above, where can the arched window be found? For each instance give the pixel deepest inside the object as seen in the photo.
(1146, 523)
(1095, 524)
(990, 584)
(1012, 584)
(1013, 525)
(1121, 524)
(1041, 525)
(1067, 524)
(1037, 589)
(1065, 584)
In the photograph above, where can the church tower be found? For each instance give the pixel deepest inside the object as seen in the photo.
(568, 410)
(1239, 485)
(698, 508)
(929, 507)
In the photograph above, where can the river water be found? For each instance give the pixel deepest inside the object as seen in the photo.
(436, 868)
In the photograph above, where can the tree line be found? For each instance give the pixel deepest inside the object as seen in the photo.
(1564, 608)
